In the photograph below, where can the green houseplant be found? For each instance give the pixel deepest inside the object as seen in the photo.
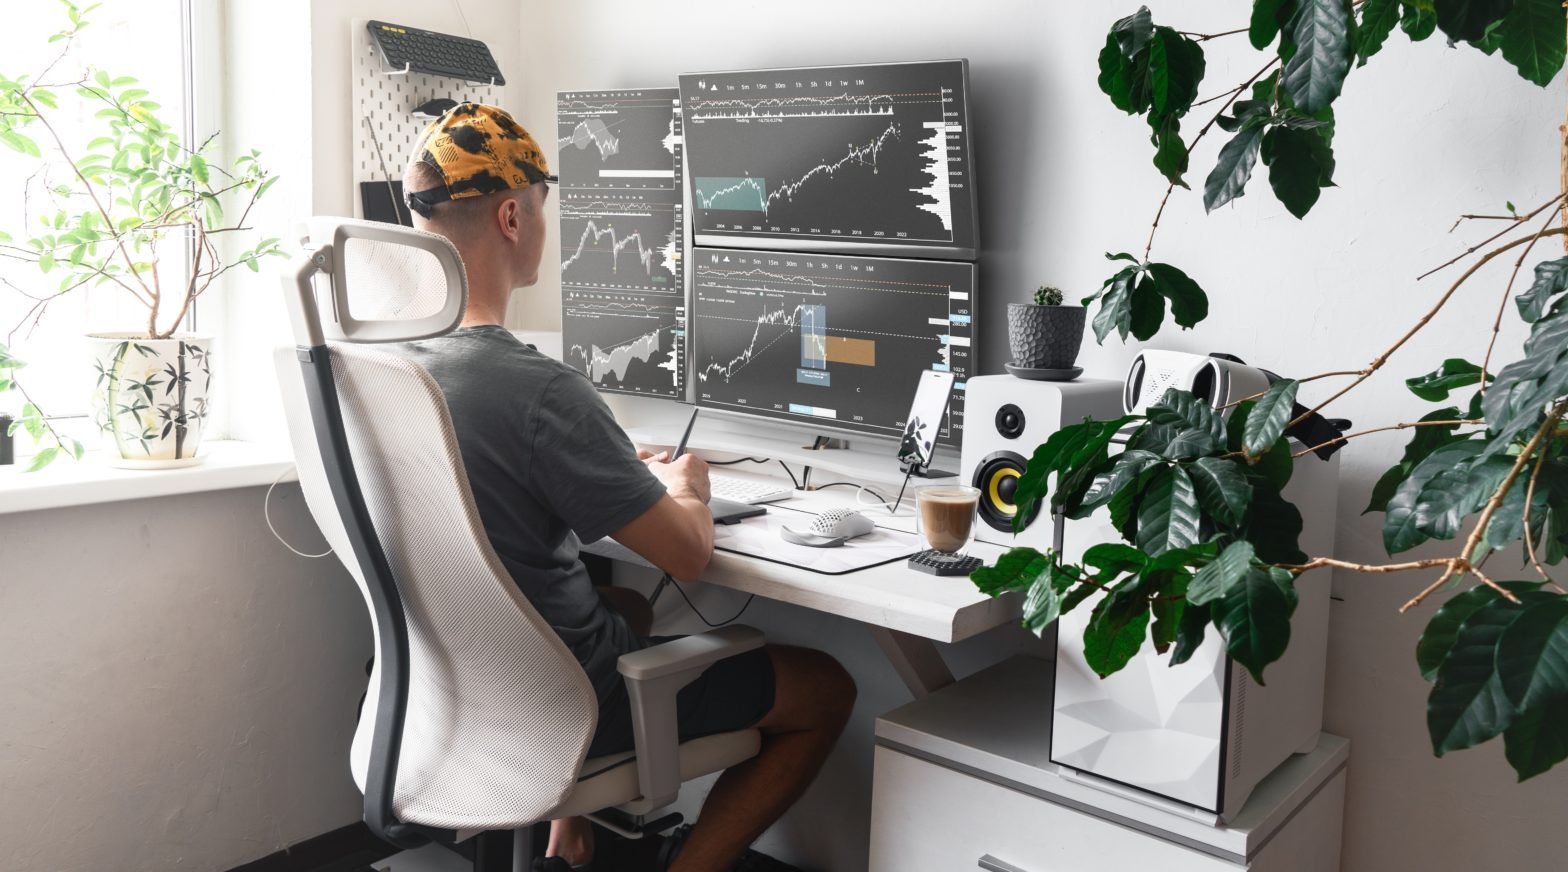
(1209, 542)
(133, 208)
(1044, 333)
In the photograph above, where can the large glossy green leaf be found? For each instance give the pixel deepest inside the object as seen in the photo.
(1170, 152)
(1267, 419)
(1537, 740)
(1401, 524)
(1228, 179)
(1189, 304)
(1134, 33)
(1378, 18)
(1184, 411)
(1454, 493)
(1527, 408)
(1416, 22)
(1017, 569)
(1551, 279)
(1223, 490)
(1273, 524)
(1123, 472)
(1043, 605)
(1116, 307)
(1467, 704)
(1469, 19)
(1254, 616)
(1507, 524)
(1168, 514)
(1441, 632)
(1176, 67)
(1110, 559)
(1532, 39)
(1116, 629)
(1300, 165)
(1266, 16)
(1532, 656)
(1147, 310)
(1314, 76)
(1189, 636)
(1216, 579)
(1456, 372)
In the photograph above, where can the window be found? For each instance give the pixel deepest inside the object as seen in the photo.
(149, 40)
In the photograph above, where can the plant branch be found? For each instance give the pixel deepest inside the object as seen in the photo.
(1529, 540)
(1508, 289)
(1493, 238)
(1205, 37)
(1404, 426)
(1377, 362)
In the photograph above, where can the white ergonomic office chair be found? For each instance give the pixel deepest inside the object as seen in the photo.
(478, 718)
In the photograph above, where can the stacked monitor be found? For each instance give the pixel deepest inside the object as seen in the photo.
(833, 221)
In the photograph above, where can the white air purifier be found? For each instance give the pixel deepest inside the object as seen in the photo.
(1202, 734)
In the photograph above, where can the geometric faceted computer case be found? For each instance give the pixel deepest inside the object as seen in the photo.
(1202, 733)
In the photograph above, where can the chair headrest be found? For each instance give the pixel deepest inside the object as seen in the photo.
(365, 281)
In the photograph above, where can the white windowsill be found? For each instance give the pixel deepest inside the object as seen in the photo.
(66, 483)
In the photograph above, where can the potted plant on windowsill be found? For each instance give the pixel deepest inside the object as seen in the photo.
(1044, 336)
(135, 208)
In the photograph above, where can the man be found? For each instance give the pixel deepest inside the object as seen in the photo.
(549, 468)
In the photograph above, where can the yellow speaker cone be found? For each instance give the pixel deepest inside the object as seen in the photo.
(992, 490)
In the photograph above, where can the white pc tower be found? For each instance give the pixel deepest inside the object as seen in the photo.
(1202, 733)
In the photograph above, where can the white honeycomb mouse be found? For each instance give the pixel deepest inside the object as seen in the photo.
(831, 528)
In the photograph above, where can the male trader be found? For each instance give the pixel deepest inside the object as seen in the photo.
(550, 468)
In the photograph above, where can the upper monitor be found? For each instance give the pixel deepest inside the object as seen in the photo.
(831, 341)
(870, 159)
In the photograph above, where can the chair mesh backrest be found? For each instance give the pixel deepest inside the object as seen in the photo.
(391, 282)
(499, 712)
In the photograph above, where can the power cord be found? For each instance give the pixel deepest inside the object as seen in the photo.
(792, 479)
(266, 511)
(741, 460)
(666, 581)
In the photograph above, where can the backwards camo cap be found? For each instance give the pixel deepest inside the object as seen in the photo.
(477, 149)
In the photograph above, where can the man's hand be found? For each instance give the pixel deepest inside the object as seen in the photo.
(685, 476)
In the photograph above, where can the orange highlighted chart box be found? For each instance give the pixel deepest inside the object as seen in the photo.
(860, 352)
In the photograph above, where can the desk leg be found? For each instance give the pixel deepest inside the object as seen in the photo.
(915, 658)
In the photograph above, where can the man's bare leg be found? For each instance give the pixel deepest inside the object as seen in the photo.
(812, 700)
(571, 839)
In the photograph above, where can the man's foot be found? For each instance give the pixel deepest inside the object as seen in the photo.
(751, 861)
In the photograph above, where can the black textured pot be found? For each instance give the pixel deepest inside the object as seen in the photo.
(1044, 337)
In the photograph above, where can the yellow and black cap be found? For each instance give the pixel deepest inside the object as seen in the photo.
(477, 149)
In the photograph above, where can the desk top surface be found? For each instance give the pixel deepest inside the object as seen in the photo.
(891, 595)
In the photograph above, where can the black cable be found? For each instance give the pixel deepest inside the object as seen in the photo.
(693, 606)
(880, 498)
(792, 479)
(742, 460)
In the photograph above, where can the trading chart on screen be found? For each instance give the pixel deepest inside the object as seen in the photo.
(872, 158)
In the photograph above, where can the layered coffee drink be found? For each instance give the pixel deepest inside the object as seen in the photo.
(946, 516)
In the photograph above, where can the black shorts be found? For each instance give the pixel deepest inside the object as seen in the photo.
(732, 694)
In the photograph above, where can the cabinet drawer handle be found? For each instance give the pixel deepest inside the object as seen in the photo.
(991, 864)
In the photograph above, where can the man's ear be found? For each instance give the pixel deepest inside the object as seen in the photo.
(509, 218)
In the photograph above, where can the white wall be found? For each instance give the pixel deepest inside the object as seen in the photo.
(179, 691)
(1425, 133)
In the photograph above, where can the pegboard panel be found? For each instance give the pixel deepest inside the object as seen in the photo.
(383, 106)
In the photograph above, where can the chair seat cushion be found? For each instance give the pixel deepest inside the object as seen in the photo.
(611, 780)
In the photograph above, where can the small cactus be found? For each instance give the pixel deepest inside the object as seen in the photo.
(1047, 296)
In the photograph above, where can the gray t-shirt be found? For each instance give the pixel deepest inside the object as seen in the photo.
(549, 469)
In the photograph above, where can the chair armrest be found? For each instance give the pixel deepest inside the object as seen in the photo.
(690, 654)
(653, 677)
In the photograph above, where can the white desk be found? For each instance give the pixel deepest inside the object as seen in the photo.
(907, 611)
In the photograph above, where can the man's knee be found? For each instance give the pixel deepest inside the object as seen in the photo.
(812, 686)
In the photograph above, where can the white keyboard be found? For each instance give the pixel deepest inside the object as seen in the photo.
(749, 491)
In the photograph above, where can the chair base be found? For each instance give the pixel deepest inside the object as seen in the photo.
(506, 850)
(629, 826)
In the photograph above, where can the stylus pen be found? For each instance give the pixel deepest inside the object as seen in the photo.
(681, 448)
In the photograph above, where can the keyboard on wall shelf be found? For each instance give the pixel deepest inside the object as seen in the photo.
(745, 490)
(410, 49)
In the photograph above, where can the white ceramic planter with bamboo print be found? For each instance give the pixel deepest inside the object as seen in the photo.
(150, 397)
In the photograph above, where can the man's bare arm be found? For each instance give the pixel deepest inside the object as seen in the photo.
(676, 533)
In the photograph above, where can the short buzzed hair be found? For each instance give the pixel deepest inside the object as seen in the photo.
(454, 218)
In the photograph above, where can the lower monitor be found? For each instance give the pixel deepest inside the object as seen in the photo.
(831, 341)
